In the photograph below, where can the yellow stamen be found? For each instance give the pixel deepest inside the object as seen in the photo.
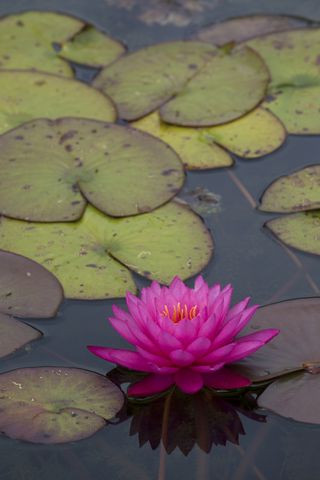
(180, 313)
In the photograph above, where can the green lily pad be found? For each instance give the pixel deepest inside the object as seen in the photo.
(209, 97)
(49, 169)
(240, 29)
(91, 47)
(142, 81)
(294, 63)
(27, 289)
(195, 151)
(14, 335)
(26, 95)
(26, 41)
(85, 255)
(55, 405)
(299, 230)
(299, 191)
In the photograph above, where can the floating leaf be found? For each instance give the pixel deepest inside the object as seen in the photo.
(142, 81)
(27, 289)
(91, 47)
(299, 230)
(26, 41)
(209, 97)
(243, 28)
(26, 95)
(296, 192)
(294, 63)
(84, 255)
(49, 169)
(195, 151)
(55, 405)
(14, 335)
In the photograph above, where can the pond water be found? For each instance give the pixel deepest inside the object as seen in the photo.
(246, 256)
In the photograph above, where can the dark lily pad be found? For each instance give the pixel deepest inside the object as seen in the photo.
(14, 335)
(49, 169)
(85, 255)
(142, 81)
(209, 97)
(26, 95)
(55, 405)
(92, 47)
(299, 191)
(240, 29)
(27, 289)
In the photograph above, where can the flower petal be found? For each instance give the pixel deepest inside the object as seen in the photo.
(225, 379)
(199, 347)
(233, 327)
(242, 350)
(123, 330)
(151, 385)
(188, 381)
(222, 354)
(181, 358)
(126, 358)
(263, 336)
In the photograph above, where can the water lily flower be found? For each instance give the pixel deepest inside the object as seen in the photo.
(185, 337)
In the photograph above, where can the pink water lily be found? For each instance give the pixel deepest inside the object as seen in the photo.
(184, 336)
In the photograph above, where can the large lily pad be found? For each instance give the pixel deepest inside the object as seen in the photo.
(299, 230)
(14, 335)
(244, 28)
(85, 255)
(209, 98)
(26, 41)
(142, 81)
(195, 149)
(27, 289)
(299, 191)
(91, 47)
(294, 94)
(50, 168)
(55, 405)
(26, 95)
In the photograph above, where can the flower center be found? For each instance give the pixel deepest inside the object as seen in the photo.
(180, 313)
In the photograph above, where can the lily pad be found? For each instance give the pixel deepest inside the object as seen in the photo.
(49, 169)
(142, 81)
(85, 255)
(14, 335)
(26, 95)
(91, 47)
(26, 41)
(299, 230)
(195, 150)
(299, 191)
(244, 28)
(27, 289)
(209, 98)
(294, 63)
(55, 405)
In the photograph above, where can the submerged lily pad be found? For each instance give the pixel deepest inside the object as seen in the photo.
(195, 151)
(227, 87)
(142, 81)
(55, 405)
(14, 335)
(299, 191)
(91, 47)
(49, 169)
(85, 255)
(26, 95)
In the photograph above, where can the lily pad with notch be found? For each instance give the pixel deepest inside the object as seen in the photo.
(51, 168)
(14, 335)
(56, 404)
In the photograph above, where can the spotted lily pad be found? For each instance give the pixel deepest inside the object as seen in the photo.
(26, 41)
(294, 63)
(26, 95)
(14, 335)
(195, 151)
(55, 405)
(85, 255)
(244, 28)
(91, 47)
(142, 81)
(49, 169)
(209, 97)
(299, 191)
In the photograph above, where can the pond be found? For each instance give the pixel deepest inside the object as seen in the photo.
(246, 446)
